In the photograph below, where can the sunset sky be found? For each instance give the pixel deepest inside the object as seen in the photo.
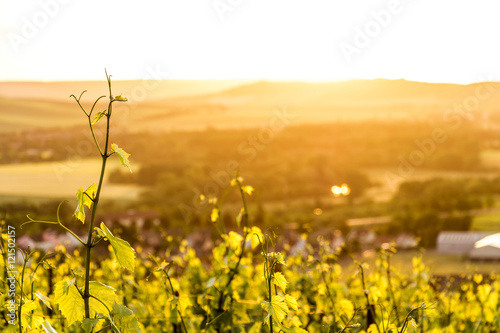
(422, 40)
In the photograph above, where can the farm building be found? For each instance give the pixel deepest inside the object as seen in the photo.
(487, 248)
(459, 242)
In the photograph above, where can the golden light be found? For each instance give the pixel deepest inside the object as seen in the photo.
(336, 190)
(318, 211)
(345, 189)
(341, 190)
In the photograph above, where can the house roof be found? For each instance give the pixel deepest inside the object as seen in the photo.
(461, 236)
(491, 240)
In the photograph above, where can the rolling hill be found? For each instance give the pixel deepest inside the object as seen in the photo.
(187, 105)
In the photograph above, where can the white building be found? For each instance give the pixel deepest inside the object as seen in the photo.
(459, 242)
(487, 248)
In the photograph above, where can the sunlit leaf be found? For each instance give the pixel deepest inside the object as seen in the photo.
(256, 237)
(98, 116)
(234, 239)
(347, 307)
(84, 199)
(47, 327)
(120, 98)
(44, 299)
(280, 280)
(122, 155)
(276, 308)
(124, 319)
(291, 302)
(125, 254)
(88, 324)
(211, 282)
(69, 300)
(105, 294)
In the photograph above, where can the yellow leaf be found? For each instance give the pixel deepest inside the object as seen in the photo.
(84, 199)
(347, 307)
(280, 280)
(122, 155)
(296, 321)
(69, 300)
(105, 294)
(125, 254)
(234, 239)
(256, 237)
(276, 308)
(29, 318)
(375, 294)
(120, 98)
(29, 306)
(291, 302)
(184, 302)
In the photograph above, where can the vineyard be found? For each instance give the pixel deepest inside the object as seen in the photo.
(244, 290)
(247, 284)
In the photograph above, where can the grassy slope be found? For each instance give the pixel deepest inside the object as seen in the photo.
(178, 105)
(60, 180)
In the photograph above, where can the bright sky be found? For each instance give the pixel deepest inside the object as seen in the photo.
(423, 40)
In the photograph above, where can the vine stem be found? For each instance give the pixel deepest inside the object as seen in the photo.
(368, 305)
(243, 242)
(269, 280)
(89, 245)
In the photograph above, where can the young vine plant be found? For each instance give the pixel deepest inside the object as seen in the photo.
(93, 305)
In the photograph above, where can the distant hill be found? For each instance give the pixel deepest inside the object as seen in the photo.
(185, 105)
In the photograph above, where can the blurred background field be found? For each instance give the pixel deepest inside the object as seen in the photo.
(293, 141)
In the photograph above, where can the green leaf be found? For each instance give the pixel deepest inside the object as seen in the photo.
(119, 98)
(70, 301)
(124, 319)
(276, 308)
(44, 299)
(98, 116)
(211, 282)
(122, 155)
(105, 294)
(291, 330)
(280, 280)
(84, 199)
(48, 328)
(89, 324)
(291, 302)
(123, 251)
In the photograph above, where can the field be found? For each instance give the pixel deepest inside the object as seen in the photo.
(58, 180)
